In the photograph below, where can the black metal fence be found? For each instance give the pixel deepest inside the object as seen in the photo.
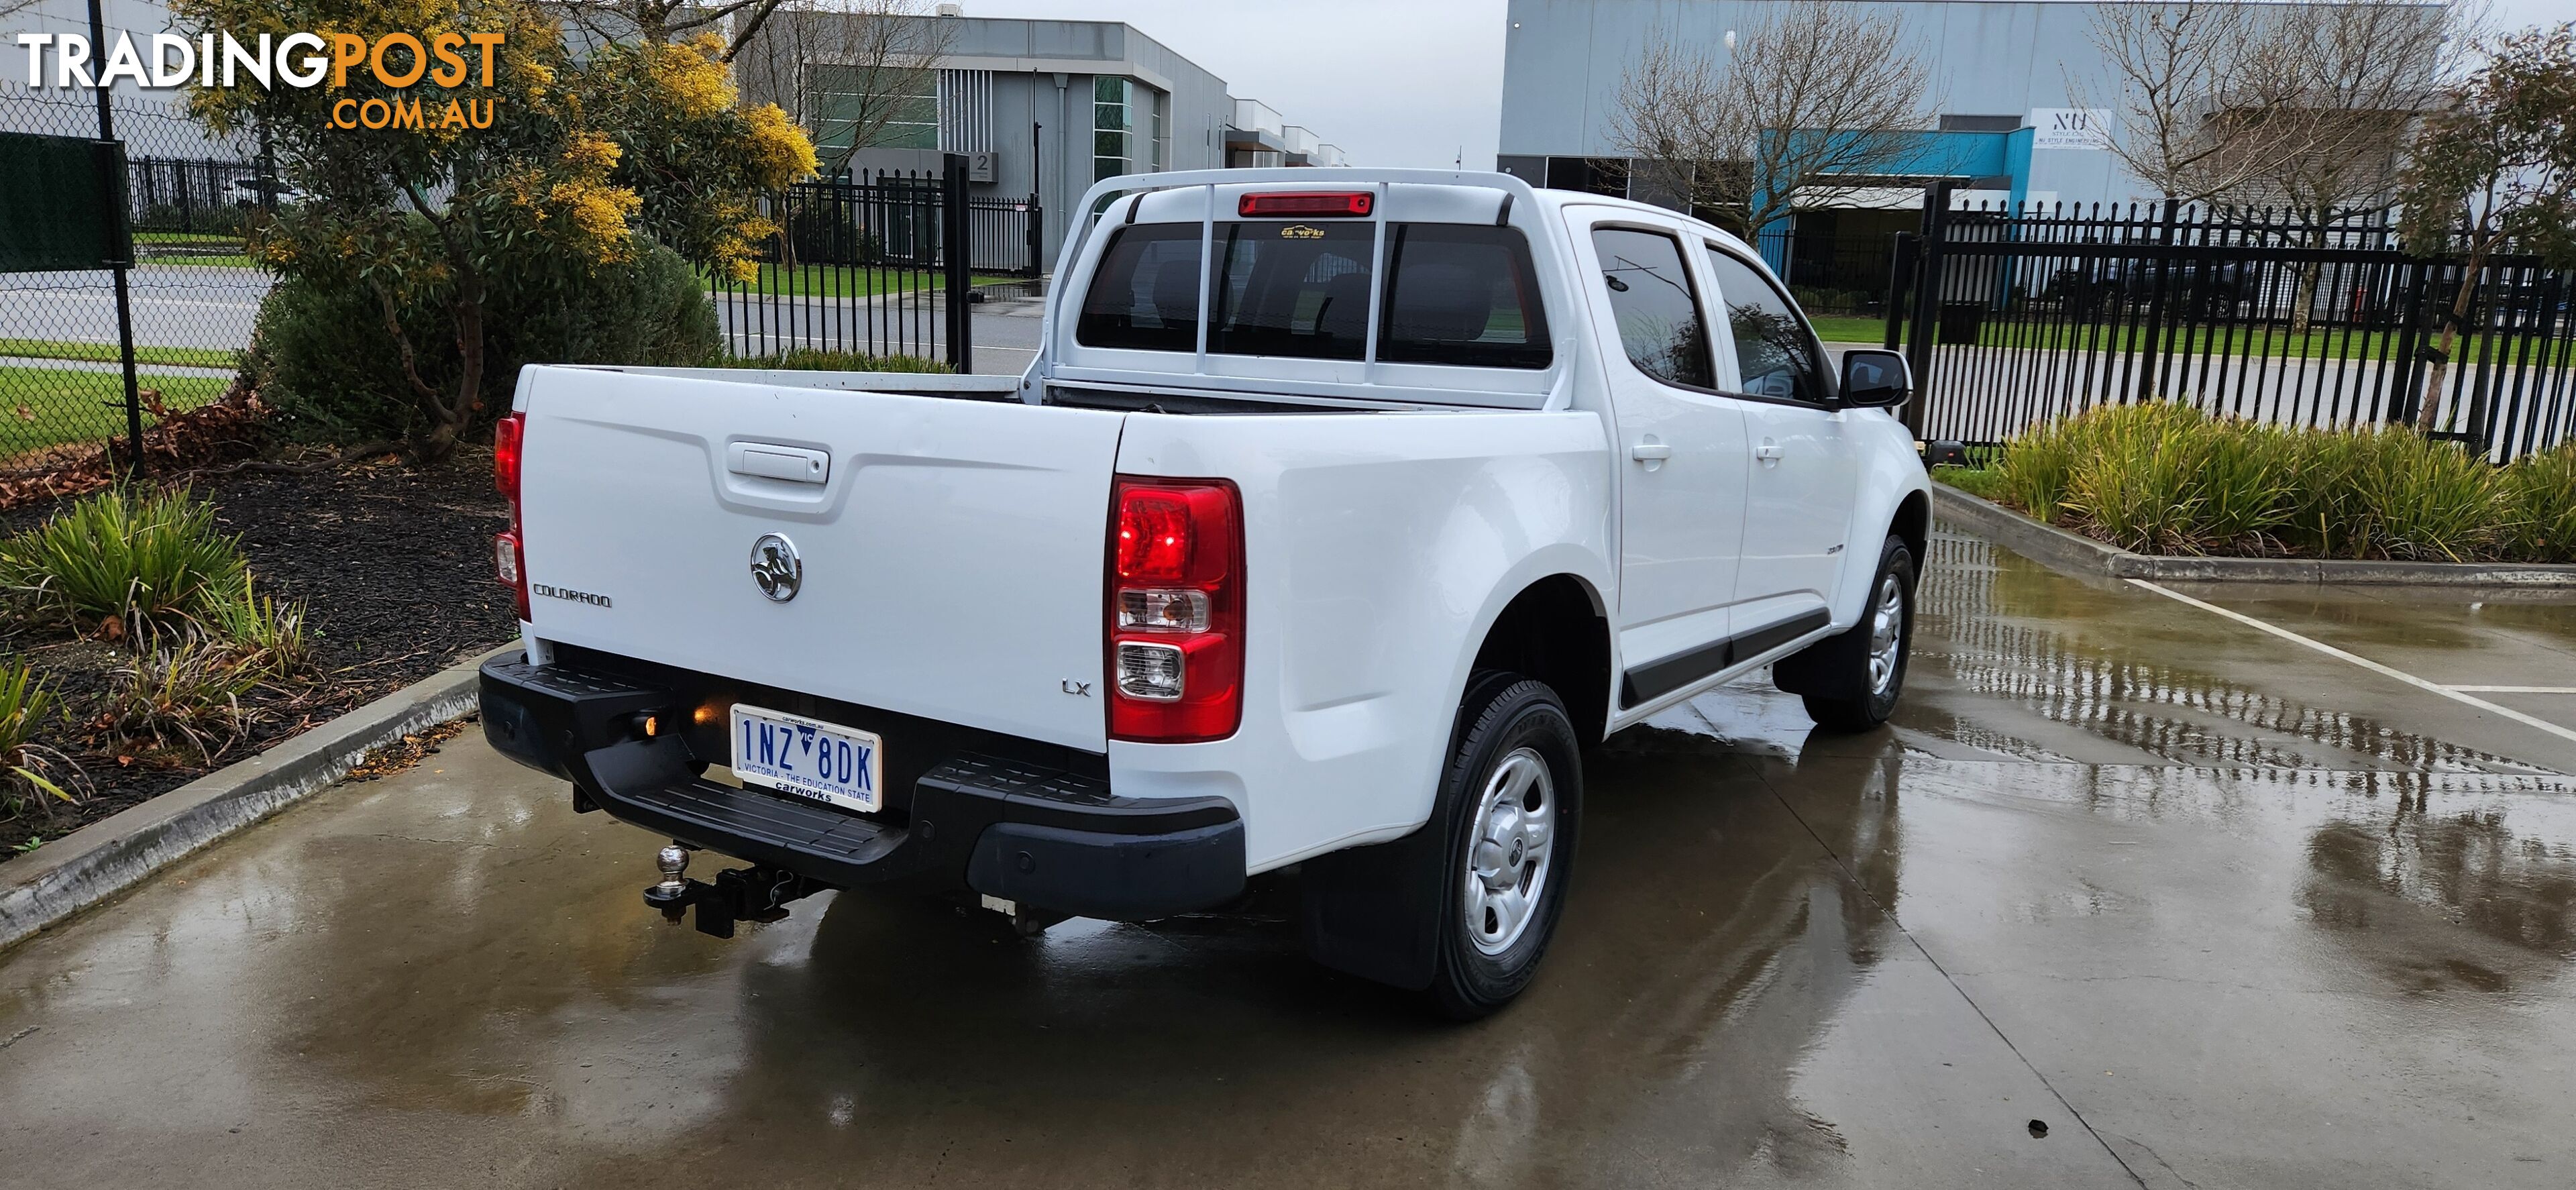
(864, 266)
(1836, 275)
(2015, 317)
(190, 295)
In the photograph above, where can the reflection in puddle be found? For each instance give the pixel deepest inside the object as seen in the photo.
(2003, 628)
(2437, 897)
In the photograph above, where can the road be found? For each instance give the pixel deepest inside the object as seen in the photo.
(2212, 907)
(216, 307)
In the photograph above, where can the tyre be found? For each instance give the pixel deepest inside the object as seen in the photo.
(1513, 796)
(1851, 681)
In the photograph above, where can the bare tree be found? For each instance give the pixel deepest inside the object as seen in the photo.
(2182, 77)
(2342, 86)
(1811, 103)
(854, 65)
(662, 21)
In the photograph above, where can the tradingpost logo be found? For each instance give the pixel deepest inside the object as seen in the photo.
(300, 60)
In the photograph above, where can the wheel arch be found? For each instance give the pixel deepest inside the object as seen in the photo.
(1556, 630)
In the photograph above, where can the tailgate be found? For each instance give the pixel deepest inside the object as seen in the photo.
(951, 550)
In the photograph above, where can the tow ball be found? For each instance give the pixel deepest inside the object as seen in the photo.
(738, 894)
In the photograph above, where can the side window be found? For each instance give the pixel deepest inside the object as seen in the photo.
(1651, 298)
(1773, 351)
(1461, 294)
(1293, 289)
(1145, 296)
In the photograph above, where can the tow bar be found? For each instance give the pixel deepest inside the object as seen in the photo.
(738, 894)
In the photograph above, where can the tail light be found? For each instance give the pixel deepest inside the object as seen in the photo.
(509, 550)
(1175, 610)
(1307, 204)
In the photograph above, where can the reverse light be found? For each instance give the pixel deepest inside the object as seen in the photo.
(1307, 204)
(1152, 672)
(510, 565)
(1175, 610)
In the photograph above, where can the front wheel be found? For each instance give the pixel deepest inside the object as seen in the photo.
(1850, 681)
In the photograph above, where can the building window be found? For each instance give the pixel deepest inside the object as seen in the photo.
(1961, 123)
(1591, 175)
(874, 109)
(1162, 142)
(1111, 129)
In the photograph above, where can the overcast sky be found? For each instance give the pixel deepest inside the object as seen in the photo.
(1393, 82)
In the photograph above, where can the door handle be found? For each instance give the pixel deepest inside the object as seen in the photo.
(1768, 451)
(1650, 451)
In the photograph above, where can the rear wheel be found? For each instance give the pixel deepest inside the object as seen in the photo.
(1514, 792)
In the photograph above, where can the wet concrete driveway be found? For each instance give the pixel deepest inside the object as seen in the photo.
(2212, 907)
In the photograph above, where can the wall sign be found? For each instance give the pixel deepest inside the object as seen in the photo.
(2070, 128)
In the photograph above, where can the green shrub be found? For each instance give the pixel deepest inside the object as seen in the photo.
(262, 634)
(324, 360)
(28, 770)
(156, 561)
(2539, 495)
(188, 696)
(807, 359)
(2423, 499)
(2165, 478)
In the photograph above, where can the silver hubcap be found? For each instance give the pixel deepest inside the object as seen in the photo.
(1507, 864)
(1886, 635)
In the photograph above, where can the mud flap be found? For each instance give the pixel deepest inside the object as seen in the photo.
(1835, 667)
(1374, 911)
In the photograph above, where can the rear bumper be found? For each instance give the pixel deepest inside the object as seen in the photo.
(1028, 832)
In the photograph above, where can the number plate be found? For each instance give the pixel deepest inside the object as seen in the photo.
(807, 757)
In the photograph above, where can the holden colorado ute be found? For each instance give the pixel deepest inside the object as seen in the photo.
(1338, 513)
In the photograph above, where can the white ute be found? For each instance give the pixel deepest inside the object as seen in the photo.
(1339, 512)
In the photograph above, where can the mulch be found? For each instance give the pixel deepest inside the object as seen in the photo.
(394, 563)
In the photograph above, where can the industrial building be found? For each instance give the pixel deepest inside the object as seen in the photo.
(1040, 108)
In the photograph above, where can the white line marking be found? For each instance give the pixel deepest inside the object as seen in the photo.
(2448, 692)
(2517, 689)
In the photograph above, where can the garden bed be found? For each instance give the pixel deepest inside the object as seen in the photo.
(2160, 479)
(393, 564)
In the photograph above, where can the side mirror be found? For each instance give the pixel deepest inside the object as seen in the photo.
(1876, 379)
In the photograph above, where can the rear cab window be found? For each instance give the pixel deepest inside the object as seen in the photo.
(1145, 295)
(1293, 288)
(1449, 295)
(1462, 295)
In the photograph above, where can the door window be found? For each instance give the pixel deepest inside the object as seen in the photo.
(1652, 300)
(1775, 356)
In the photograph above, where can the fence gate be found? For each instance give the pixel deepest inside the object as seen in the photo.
(2013, 317)
(878, 264)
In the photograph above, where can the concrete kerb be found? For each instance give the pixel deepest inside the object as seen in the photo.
(105, 858)
(2075, 554)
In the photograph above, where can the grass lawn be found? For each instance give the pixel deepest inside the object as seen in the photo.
(841, 281)
(201, 249)
(105, 353)
(1849, 328)
(41, 407)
